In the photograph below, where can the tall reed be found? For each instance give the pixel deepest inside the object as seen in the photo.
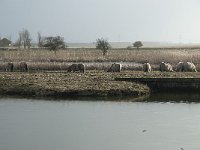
(43, 59)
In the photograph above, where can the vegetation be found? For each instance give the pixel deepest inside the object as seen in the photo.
(24, 39)
(137, 44)
(96, 81)
(91, 83)
(54, 43)
(154, 57)
(40, 40)
(129, 47)
(68, 84)
(103, 45)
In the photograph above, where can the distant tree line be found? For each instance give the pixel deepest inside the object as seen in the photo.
(51, 42)
(56, 42)
(104, 45)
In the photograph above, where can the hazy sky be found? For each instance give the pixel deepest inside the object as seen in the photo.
(116, 20)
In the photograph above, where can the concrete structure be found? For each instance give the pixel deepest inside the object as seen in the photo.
(168, 84)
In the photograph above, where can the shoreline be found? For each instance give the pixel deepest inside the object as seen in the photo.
(90, 85)
(68, 85)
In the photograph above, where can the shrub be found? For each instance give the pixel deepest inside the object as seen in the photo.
(54, 43)
(137, 44)
(129, 47)
(103, 45)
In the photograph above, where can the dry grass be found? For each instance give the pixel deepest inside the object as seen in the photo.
(91, 83)
(42, 59)
(58, 84)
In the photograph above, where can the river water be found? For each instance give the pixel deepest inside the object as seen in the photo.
(27, 124)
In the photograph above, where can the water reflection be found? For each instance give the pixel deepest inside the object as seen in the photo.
(27, 124)
(174, 97)
(189, 97)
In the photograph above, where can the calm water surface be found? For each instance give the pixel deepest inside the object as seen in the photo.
(84, 125)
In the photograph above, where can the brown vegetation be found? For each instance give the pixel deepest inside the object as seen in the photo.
(68, 84)
(48, 72)
(94, 55)
(91, 83)
(43, 59)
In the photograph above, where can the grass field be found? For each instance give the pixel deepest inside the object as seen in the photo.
(43, 59)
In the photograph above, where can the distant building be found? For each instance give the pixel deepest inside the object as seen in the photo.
(5, 42)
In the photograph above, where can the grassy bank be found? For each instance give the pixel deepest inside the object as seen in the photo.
(89, 84)
(61, 85)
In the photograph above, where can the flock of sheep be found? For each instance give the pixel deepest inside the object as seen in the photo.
(116, 67)
(180, 67)
(22, 66)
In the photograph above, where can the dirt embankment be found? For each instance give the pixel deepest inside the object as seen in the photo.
(61, 85)
(90, 84)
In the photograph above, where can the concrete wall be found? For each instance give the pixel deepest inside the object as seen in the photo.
(167, 84)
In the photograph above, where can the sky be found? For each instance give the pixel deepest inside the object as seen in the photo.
(175, 21)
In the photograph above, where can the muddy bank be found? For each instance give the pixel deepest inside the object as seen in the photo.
(63, 85)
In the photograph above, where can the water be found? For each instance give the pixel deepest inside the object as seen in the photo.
(84, 125)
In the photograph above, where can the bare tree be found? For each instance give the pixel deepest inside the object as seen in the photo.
(18, 43)
(26, 38)
(40, 40)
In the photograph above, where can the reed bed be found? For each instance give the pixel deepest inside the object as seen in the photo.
(43, 59)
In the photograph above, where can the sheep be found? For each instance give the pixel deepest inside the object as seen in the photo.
(186, 67)
(189, 67)
(180, 67)
(23, 67)
(9, 67)
(115, 68)
(146, 67)
(166, 67)
(76, 68)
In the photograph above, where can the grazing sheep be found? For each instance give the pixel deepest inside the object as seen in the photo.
(23, 67)
(180, 67)
(186, 67)
(115, 68)
(169, 67)
(146, 67)
(76, 68)
(189, 67)
(166, 67)
(162, 66)
(9, 67)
